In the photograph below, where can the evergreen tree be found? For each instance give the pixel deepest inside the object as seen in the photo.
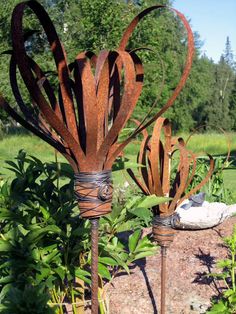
(232, 105)
(228, 53)
(209, 95)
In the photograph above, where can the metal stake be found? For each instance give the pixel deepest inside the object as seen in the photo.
(94, 264)
(163, 278)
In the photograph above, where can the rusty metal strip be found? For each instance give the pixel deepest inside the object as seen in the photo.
(167, 158)
(139, 183)
(35, 118)
(80, 131)
(184, 172)
(184, 76)
(193, 161)
(56, 48)
(5, 105)
(89, 103)
(190, 53)
(156, 155)
(103, 149)
(142, 159)
(21, 58)
(128, 102)
(202, 183)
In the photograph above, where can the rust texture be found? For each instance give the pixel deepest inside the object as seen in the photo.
(93, 93)
(163, 278)
(154, 177)
(156, 156)
(83, 116)
(94, 264)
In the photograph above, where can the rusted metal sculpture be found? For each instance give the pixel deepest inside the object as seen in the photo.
(154, 177)
(84, 119)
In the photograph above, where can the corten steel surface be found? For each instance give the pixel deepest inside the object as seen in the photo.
(156, 155)
(155, 177)
(84, 115)
(94, 264)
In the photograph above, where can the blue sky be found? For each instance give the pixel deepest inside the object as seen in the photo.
(214, 20)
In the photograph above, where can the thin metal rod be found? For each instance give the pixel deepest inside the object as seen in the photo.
(94, 264)
(163, 278)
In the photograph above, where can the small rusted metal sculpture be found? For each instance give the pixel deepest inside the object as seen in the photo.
(154, 177)
(96, 96)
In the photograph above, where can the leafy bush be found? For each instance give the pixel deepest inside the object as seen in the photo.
(45, 246)
(226, 303)
(214, 188)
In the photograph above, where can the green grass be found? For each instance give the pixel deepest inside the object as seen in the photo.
(10, 145)
(215, 144)
(212, 143)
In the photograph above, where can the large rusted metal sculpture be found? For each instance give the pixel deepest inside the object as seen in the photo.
(154, 177)
(82, 119)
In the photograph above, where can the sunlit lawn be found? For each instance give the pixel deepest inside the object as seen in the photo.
(215, 144)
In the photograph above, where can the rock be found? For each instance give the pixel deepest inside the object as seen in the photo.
(206, 216)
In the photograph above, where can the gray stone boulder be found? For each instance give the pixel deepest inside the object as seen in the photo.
(206, 216)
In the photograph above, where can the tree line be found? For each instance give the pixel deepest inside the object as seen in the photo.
(209, 97)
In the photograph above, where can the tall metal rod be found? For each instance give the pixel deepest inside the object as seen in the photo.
(163, 278)
(94, 264)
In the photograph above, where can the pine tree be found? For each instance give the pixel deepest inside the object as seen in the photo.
(228, 53)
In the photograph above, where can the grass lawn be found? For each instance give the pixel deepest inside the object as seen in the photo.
(215, 144)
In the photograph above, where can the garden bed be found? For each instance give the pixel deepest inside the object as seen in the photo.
(192, 255)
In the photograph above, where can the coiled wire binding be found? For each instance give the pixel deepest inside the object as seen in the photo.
(93, 191)
(164, 228)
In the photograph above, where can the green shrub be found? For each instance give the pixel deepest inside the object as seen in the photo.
(45, 245)
(226, 302)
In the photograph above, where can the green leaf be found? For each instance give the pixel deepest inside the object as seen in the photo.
(44, 273)
(224, 263)
(37, 234)
(142, 255)
(83, 275)
(6, 214)
(228, 292)
(133, 240)
(145, 244)
(61, 271)
(103, 271)
(126, 226)
(5, 246)
(107, 261)
(45, 213)
(7, 279)
(49, 258)
(219, 308)
(50, 282)
(141, 212)
(122, 259)
(6, 288)
(151, 201)
(5, 190)
(22, 230)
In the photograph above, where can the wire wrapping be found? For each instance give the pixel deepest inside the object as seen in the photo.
(93, 191)
(164, 228)
(171, 221)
